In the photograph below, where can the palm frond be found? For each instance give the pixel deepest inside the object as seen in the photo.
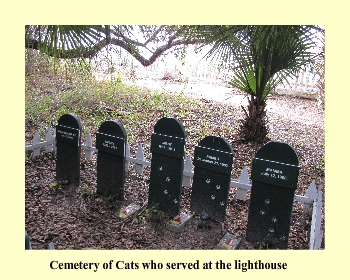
(59, 40)
(264, 56)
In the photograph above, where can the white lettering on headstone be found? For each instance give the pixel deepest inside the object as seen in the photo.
(167, 146)
(65, 134)
(274, 173)
(213, 160)
(212, 157)
(109, 145)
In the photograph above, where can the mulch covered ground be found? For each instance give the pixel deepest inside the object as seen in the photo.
(76, 218)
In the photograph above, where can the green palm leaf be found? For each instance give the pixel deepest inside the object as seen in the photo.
(60, 40)
(261, 57)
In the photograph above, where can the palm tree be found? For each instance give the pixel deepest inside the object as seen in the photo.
(260, 58)
(65, 41)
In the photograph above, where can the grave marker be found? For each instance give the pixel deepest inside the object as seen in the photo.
(275, 171)
(28, 245)
(229, 242)
(213, 159)
(168, 149)
(128, 210)
(68, 143)
(178, 223)
(110, 143)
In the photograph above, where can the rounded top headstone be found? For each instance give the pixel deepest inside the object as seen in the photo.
(114, 128)
(170, 126)
(278, 152)
(216, 143)
(69, 120)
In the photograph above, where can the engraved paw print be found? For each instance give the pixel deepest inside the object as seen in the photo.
(207, 181)
(218, 187)
(165, 192)
(213, 197)
(222, 203)
(175, 201)
(160, 168)
(167, 179)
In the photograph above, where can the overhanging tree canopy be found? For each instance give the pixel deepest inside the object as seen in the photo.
(260, 57)
(85, 41)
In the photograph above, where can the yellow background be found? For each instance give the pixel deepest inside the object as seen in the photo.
(20, 264)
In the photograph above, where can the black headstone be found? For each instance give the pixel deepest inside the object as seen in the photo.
(168, 149)
(110, 143)
(68, 142)
(213, 159)
(275, 171)
(28, 246)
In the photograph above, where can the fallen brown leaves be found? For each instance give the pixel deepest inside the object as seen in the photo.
(72, 219)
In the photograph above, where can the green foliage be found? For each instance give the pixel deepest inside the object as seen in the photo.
(55, 186)
(48, 95)
(321, 163)
(260, 58)
(86, 41)
(157, 97)
(62, 110)
(59, 41)
(149, 212)
(264, 56)
(152, 210)
(119, 78)
(109, 202)
(266, 243)
(88, 192)
(261, 245)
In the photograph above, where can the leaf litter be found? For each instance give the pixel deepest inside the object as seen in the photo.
(76, 218)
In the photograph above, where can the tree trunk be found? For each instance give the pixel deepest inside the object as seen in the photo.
(253, 127)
